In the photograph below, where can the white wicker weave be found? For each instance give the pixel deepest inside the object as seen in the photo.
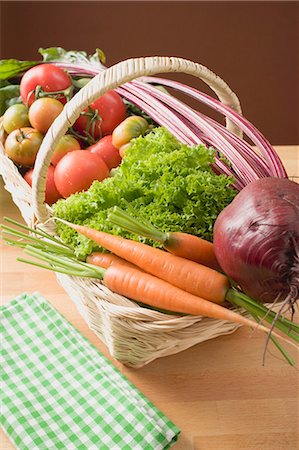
(134, 335)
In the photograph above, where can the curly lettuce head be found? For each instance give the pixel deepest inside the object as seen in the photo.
(169, 184)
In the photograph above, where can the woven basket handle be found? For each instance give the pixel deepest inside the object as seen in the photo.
(105, 81)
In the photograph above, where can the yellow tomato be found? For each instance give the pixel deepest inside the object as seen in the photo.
(130, 128)
(43, 112)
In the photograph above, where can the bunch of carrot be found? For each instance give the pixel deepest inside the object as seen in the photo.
(156, 277)
(167, 281)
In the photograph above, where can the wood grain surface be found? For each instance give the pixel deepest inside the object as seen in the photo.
(217, 392)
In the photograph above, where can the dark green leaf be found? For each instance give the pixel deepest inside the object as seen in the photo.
(10, 68)
(9, 95)
(4, 83)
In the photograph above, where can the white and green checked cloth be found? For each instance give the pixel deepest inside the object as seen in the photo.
(59, 392)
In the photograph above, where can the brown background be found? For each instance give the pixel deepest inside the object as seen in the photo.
(253, 46)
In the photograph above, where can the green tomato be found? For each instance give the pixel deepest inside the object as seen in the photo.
(16, 116)
(22, 145)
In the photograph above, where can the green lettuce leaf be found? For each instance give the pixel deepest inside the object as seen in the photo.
(168, 184)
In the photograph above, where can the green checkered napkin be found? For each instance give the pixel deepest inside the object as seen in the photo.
(60, 392)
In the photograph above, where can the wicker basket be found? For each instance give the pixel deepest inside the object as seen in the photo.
(134, 335)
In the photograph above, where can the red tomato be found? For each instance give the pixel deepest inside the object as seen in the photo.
(65, 144)
(111, 111)
(77, 170)
(43, 112)
(52, 194)
(49, 77)
(106, 151)
(22, 145)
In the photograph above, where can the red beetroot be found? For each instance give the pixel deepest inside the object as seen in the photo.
(256, 239)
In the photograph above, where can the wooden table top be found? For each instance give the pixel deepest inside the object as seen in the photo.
(217, 392)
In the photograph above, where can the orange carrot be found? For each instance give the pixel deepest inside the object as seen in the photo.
(183, 273)
(191, 247)
(106, 260)
(181, 244)
(152, 291)
(125, 280)
(128, 281)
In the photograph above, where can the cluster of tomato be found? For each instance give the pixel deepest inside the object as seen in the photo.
(94, 146)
